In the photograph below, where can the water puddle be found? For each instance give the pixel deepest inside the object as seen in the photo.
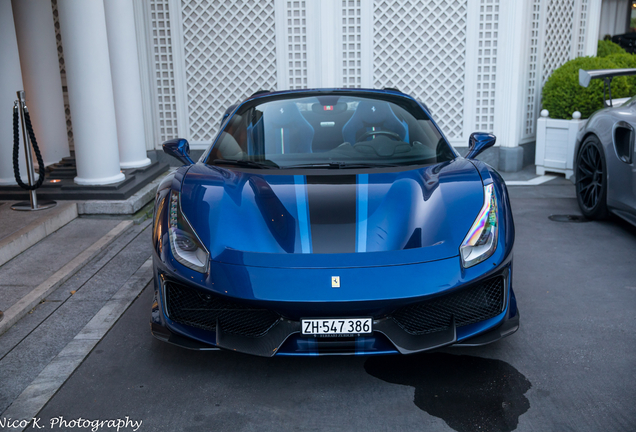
(468, 393)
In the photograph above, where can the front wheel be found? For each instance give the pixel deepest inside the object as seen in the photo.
(591, 179)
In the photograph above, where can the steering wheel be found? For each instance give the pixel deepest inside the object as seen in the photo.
(389, 134)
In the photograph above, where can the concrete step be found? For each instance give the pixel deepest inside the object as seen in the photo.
(20, 230)
(128, 206)
(67, 189)
(30, 276)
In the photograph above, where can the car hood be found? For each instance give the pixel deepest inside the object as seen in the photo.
(319, 218)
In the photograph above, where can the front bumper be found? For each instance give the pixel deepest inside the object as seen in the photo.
(461, 324)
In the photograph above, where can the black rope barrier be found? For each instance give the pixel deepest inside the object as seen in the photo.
(16, 149)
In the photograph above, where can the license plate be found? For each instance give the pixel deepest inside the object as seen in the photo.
(337, 326)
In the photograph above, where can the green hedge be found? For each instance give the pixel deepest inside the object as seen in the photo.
(625, 61)
(606, 48)
(562, 94)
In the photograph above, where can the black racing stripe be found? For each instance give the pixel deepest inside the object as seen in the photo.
(332, 213)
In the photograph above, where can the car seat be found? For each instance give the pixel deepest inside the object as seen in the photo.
(373, 115)
(286, 130)
(327, 121)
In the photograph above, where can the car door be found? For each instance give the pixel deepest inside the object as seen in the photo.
(621, 166)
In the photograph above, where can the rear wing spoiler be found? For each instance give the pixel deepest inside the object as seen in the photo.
(585, 76)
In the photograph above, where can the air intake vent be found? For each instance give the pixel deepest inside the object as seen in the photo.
(468, 306)
(202, 310)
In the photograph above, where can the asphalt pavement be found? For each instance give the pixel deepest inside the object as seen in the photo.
(570, 367)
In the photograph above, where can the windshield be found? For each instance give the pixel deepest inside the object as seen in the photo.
(330, 132)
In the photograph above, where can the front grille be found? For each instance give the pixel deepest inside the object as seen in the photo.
(468, 306)
(197, 309)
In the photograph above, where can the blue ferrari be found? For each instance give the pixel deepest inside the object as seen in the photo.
(332, 221)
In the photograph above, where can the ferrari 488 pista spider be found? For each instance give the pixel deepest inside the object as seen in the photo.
(332, 221)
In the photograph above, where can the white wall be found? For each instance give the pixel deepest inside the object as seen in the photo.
(203, 55)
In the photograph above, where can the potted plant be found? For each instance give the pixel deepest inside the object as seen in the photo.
(567, 106)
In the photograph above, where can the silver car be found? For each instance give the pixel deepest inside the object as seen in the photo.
(604, 154)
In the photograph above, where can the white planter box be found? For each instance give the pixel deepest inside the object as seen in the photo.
(555, 144)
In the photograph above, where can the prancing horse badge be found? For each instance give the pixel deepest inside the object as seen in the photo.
(335, 281)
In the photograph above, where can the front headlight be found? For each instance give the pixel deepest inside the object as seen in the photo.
(186, 246)
(481, 241)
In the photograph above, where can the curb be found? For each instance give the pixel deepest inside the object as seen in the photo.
(55, 374)
(532, 182)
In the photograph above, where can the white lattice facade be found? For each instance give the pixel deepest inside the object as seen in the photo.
(414, 53)
(581, 34)
(161, 23)
(487, 65)
(296, 28)
(454, 56)
(221, 66)
(531, 74)
(351, 43)
(559, 30)
(478, 65)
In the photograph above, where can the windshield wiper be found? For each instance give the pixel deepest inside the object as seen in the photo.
(341, 165)
(246, 163)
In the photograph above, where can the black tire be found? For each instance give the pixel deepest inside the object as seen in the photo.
(591, 179)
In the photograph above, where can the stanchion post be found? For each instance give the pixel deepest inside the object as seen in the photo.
(27, 151)
(33, 198)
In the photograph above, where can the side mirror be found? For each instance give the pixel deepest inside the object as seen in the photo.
(478, 142)
(178, 148)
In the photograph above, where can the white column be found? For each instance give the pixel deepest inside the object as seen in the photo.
(10, 83)
(367, 44)
(146, 72)
(592, 27)
(124, 67)
(512, 46)
(90, 91)
(282, 71)
(326, 25)
(35, 32)
(470, 74)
